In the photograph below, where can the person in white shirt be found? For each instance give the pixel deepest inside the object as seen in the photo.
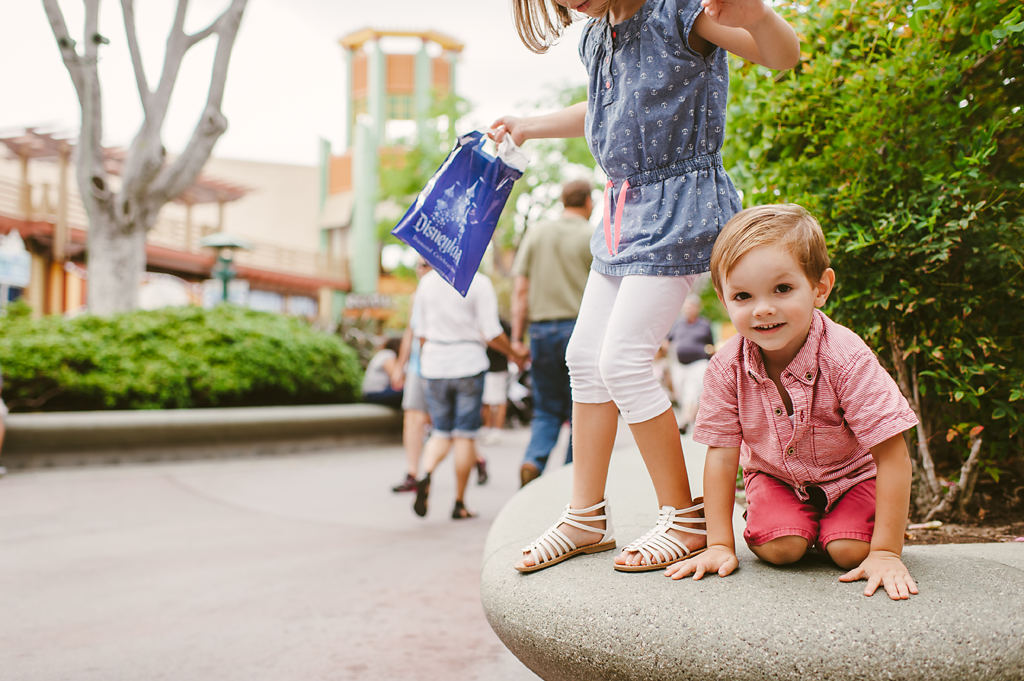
(377, 388)
(455, 333)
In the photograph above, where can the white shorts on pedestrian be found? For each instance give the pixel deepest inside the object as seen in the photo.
(495, 388)
(688, 380)
(412, 393)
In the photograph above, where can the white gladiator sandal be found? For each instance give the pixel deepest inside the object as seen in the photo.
(658, 542)
(553, 546)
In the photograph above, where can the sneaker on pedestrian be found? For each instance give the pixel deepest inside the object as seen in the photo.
(528, 473)
(408, 485)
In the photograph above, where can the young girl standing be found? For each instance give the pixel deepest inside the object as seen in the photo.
(655, 120)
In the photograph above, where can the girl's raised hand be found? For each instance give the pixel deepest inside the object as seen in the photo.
(718, 559)
(735, 13)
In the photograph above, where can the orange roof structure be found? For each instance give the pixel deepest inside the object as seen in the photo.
(356, 39)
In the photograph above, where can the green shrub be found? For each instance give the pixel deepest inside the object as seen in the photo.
(172, 358)
(902, 130)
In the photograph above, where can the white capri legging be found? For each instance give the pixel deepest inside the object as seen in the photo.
(621, 325)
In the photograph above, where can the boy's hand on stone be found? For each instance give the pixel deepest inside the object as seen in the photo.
(720, 559)
(886, 569)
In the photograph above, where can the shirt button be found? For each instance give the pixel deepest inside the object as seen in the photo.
(791, 451)
(607, 84)
(808, 375)
(614, 34)
(778, 412)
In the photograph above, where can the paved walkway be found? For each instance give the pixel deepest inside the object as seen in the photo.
(297, 567)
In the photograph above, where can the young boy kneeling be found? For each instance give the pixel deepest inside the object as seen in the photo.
(804, 406)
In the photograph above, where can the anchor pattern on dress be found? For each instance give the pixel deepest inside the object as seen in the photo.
(658, 105)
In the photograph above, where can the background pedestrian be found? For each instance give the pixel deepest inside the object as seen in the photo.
(690, 348)
(406, 377)
(495, 394)
(377, 388)
(456, 331)
(550, 271)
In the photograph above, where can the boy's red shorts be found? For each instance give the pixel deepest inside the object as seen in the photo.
(774, 510)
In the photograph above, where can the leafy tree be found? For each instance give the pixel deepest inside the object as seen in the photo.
(408, 165)
(902, 130)
(120, 216)
(550, 161)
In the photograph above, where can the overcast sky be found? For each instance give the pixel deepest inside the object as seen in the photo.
(286, 82)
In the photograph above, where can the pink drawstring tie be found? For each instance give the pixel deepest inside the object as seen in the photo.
(611, 237)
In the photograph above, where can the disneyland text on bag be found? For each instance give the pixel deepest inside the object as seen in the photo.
(452, 220)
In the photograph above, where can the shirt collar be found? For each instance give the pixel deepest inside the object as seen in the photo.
(804, 366)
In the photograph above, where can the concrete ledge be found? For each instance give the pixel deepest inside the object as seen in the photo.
(583, 620)
(73, 438)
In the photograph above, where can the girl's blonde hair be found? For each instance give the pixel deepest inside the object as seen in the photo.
(787, 225)
(540, 23)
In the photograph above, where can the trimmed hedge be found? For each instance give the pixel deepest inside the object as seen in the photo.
(173, 358)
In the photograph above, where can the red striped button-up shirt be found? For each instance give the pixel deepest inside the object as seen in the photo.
(844, 403)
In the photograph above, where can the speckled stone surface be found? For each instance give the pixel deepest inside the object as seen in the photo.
(583, 620)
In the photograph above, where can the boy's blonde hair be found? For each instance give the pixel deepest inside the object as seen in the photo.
(540, 23)
(786, 224)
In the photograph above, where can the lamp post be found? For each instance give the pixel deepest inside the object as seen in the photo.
(226, 245)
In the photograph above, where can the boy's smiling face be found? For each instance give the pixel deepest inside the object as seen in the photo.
(771, 302)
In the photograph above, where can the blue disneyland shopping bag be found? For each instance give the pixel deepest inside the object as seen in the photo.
(453, 218)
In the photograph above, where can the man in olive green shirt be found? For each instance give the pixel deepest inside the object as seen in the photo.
(551, 270)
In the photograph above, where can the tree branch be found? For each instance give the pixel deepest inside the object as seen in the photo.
(202, 35)
(128, 8)
(66, 45)
(91, 174)
(177, 46)
(968, 477)
(175, 178)
(959, 494)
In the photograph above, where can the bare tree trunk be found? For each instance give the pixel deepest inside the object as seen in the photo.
(929, 497)
(117, 259)
(924, 464)
(954, 503)
(118, 223)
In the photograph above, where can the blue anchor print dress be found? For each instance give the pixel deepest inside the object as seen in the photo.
(655, 122)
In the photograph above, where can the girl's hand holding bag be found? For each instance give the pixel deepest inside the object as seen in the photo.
(452, 220)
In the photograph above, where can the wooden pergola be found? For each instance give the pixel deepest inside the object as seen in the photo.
(32, 145)
(56, 242)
